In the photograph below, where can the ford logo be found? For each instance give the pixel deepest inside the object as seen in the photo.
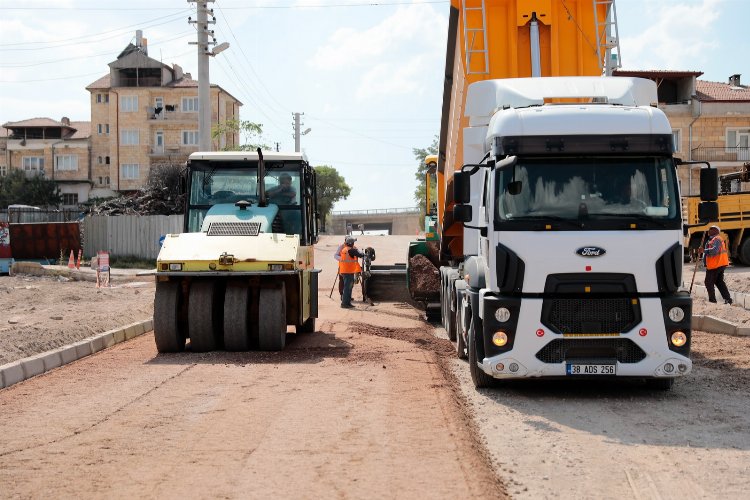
(591, 251)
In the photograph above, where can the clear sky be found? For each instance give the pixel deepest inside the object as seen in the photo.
(367, 74)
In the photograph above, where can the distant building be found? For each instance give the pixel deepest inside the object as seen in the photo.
(710, 120)
(56, 150)
(143, 113)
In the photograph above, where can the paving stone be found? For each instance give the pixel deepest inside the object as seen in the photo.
(148, 325)
(744, 331)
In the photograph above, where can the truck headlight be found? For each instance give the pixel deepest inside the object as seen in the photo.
(275, 267)
(679, 339)
(676, 314)
(502, 314)
(500, 338)
(175, 266)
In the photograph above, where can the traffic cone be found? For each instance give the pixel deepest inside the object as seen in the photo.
(71, 262)
(78, 262)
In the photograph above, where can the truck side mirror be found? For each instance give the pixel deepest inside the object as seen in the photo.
(708, 211)
(461, 188)
(709, 184)
(462, 213)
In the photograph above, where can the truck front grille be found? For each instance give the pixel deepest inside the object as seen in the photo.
(600, 315)
(559, 350)
(234, 229)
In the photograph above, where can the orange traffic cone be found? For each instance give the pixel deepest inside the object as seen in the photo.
(71, 261)
(78, 262)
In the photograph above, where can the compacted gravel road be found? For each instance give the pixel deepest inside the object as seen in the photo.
(373, 404)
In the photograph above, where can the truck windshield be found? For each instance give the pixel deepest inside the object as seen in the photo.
(617, 189)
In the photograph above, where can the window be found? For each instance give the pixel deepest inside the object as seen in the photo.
(66, 162)
(106, 97)
(100, 181)
(98, 98)
(128, 103)
(99, 160)
(3, 170)
(33, 163)
(129, 170)
(70, 198)
(676, 139)
(106, 162)
(738, 141)
(106, 180)
(129, 137)
(99, 129)
(106, 128)
(190, 104)
(189, 137)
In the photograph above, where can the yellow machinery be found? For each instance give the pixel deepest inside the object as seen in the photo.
(243, 269)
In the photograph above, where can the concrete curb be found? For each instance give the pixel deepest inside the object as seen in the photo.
(739, 299)
(712, 324)
(83, 274)
(24, 369)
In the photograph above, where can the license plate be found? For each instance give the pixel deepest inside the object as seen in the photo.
(590, 369)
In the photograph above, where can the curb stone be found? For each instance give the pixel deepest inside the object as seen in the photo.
(26, 368)
(712, 324)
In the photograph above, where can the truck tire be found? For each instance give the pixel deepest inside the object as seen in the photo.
(237, 317)
(460, 342)
(481, 380)
(272, 321)
(203, 316)
(168, 329)
(660, 384)
(451, 313)
(744, 251)
(306, 327)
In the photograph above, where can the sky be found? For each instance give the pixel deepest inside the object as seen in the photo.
(367, 74)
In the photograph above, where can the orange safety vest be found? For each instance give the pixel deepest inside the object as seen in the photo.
(719, 260)
(348, 264)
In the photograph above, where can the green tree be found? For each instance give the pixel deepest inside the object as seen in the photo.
(419, 193)
(250, 134)
(16, 188)
(332, 187)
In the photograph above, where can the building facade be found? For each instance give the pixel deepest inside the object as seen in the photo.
(710, 121)
(143, 113)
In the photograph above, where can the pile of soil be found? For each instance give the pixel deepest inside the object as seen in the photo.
(424, 277)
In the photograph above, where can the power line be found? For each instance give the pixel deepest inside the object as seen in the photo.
(252, 7)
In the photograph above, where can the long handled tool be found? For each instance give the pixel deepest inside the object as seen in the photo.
(695, 270)
(334, 284)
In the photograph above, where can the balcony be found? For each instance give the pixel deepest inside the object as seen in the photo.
(143, 81)
(171, 151)
(720, 154)
(171, 115)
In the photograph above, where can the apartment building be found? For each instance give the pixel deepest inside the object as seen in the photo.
(710, 121)
(145, 113)
(57, 150)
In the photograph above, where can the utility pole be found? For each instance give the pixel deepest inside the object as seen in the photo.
(204, 82)
(297, 134)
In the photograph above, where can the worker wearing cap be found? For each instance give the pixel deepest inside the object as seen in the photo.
(348, 268)
(717, 259)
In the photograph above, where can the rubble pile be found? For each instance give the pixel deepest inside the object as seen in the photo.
(424, 277)
(150, 201)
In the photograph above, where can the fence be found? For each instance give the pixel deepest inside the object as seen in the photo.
(31, 214)
(136, 235)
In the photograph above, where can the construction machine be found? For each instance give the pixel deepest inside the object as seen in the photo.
(558, 203)
(734, 217)
(243, 269)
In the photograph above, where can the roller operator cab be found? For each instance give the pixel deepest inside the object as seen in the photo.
(243, 269)
(575, 211)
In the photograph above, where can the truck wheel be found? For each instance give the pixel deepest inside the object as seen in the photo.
(660, 384)
(744, 251)
(306, 327)
(236, 317)
(481, 380)
(203, 316)
(168, 333)
(272, 324)
(460, 343)
(451, 328)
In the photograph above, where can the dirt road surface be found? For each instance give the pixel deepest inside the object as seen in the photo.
(373, 404)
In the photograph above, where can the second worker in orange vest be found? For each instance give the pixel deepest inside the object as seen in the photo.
(717, 259)
(348, 268)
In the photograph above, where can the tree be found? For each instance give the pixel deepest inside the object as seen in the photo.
(420, 154)
(250, 134)
(331, 188)
(17, 189)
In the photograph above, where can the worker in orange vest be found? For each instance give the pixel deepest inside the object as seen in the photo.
(717, 259)
(348, 268)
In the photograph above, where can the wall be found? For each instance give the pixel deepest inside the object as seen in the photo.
(128, 234)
